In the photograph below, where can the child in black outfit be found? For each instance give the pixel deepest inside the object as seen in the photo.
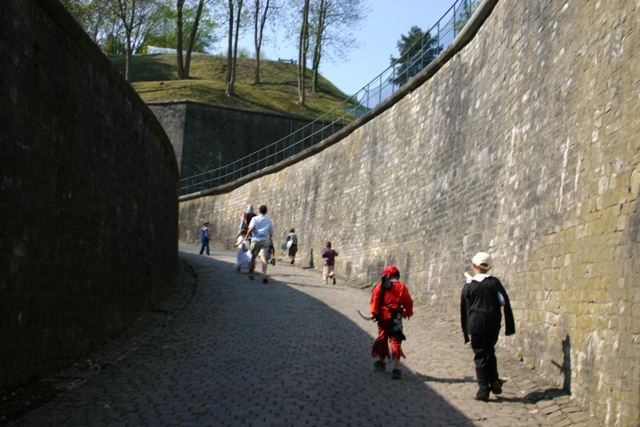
(204, 237)
(482, 298)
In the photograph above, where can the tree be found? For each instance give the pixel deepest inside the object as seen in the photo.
(417, 50)
(232, 51)
(260, 13)
(179, 7)
(320, 27)
(303, 49)
(138, 18)
(203, 35)
(333, 23)
(165, 23)
(183, 66)
(97, 19)
(192, 37)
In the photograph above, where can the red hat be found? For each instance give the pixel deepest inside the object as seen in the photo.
(390, 271)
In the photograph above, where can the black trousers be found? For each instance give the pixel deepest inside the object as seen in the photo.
(484, 351)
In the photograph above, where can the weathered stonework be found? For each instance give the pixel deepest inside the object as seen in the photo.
(88, 196)
(524, 144)
(207, 136)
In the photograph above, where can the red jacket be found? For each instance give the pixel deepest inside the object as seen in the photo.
(397, 297)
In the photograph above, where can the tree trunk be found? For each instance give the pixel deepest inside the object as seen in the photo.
(181, 74)
(303, 47)
(192, 38)
(235, 45)
(258, 34)
(256, 79)
(317, 49)
(127, 58)
(229, 88)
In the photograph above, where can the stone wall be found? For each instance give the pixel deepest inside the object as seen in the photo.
(207, 136)
(88, 196)
(524, 144)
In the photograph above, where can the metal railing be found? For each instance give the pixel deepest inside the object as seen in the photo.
(433, 42)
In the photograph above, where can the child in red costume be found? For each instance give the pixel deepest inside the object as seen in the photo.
(390, 303)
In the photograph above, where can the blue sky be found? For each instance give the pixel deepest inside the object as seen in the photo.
(379, 33)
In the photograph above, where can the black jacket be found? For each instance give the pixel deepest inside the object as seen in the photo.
(480, 310)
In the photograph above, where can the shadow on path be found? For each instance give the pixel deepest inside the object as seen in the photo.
(227, 351)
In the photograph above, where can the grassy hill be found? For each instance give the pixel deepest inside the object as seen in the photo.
(155, 78)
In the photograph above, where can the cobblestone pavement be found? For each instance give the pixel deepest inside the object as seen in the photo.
(227, 351)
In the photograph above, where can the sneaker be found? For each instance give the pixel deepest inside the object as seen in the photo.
(292, 262)
(265, 280)
(396, 374)
(334, 280)
(380, 366)
(496, 387)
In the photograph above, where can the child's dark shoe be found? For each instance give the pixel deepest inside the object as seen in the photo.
(496, 387)
(380, 366)
(483, 394)
(396, 374)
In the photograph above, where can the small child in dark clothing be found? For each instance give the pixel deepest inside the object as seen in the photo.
(204, 238)
(328, 261)
(482, 298)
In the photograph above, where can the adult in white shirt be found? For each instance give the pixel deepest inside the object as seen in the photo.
(262, 230)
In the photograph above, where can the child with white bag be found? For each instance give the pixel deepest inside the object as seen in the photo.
(243, 257)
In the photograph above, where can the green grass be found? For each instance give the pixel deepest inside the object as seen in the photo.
(155, 78)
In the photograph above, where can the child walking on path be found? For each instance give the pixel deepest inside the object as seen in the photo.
(204, 238)
(390, 303)
(480, 315)
(243, 257)
(328, 261)
(293, 247)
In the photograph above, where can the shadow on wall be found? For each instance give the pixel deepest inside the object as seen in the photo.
(565, 367)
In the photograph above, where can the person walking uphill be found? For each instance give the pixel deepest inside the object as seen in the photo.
(328, 261)
(390, 303)
(293, 247)
(261, 232)
(246, 219)
(480, 314)
(204, 238)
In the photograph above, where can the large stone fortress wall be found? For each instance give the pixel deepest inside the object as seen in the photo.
(88, 195)
(524, 144)
(206, 136)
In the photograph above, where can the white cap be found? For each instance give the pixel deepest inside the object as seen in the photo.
(482, 260)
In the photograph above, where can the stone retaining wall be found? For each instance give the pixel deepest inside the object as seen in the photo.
(207, 136)
(88, 196)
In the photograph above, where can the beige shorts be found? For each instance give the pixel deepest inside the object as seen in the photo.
(327, 272)
(260, 247)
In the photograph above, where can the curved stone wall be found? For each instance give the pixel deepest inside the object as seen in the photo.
(524, 143)
(88, 196)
